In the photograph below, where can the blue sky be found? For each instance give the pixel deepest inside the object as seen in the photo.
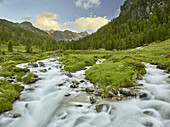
(76, 15)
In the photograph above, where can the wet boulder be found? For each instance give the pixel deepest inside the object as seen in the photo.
(98, 92)
(41, 64)
(93, 99)
(33, 64)
(89, 89)
(74, 85)
(101, 106)
(111, 91)
(68, 74)
(43, 70)
(16, 115)
(67, 95)
(128, 92)
(142, 95)
(30, 89)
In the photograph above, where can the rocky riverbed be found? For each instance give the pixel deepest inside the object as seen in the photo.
(62, 99)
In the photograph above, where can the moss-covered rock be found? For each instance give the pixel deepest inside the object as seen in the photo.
(30, 78)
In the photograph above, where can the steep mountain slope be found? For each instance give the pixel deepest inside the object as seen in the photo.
(67, 35)
(140, 22)
(30, 27)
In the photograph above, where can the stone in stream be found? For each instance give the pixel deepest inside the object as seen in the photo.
(68, 74)
(128, 92)
(67, 95)
(30, 89)
(33, 80)
(94, 99)
(61, 84)
(41, 64)
(16, 115)
(142, 94)
(111, 91)
(74, 86)
(98, 92)
(89, 89)
(33, 64)
(81, 81)
(26, 105)
(100, 106)
(43, 70)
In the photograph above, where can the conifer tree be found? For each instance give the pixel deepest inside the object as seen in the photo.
(10, 46)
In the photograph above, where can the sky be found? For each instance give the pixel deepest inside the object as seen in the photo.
(75, 15)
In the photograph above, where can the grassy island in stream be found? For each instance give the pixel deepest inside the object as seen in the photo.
(9, 92)
(119, 66)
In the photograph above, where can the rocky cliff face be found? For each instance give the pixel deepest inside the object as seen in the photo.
(68, 35)
(143, 8)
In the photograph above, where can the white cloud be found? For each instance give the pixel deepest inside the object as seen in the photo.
(88, 23)
(46, 21)
(86, 4)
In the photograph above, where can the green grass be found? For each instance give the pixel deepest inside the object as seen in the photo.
(77, 62)
(9, 93)
(27, 78)
(119, 66)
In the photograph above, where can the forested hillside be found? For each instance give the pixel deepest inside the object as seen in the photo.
(19, 34)
(140, 22)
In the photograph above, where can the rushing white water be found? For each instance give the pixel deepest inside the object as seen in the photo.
(47, 105)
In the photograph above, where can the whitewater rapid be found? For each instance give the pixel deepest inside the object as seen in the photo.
(49, 106)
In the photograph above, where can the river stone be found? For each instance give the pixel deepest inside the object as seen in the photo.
(41, 64)
(128, 92)
(33, 64)
(43, 70)
(93, 99)
(61, 84)
(75, 82)
(68, 74)
(89, 89)
(26, 105)
(81, 81)
(111, 91)
(74, 86)
(30, 89)
(142, 95)
(67, 95)
(8, 79)
(140, 77)
(98, 92)
(100, 106)
(33, 80)
(16, 115)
